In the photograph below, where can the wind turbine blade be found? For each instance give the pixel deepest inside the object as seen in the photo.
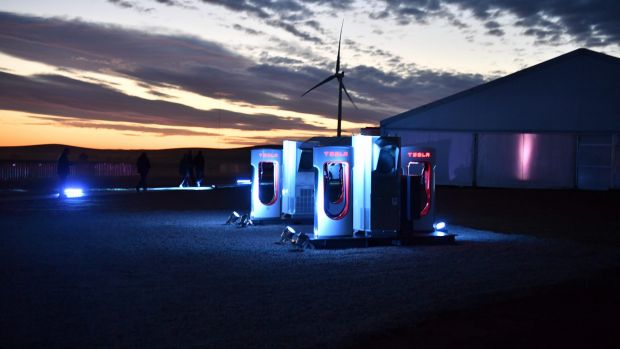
(338, 57)
(319, 84)
(347, 93)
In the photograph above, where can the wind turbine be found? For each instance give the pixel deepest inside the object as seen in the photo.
(337, 75)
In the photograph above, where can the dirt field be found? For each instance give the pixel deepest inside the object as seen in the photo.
(159, 269)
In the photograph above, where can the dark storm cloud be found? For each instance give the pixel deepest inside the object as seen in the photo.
(594, 23)
(62, 96)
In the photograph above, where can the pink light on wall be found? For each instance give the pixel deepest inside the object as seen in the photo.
(527, 147)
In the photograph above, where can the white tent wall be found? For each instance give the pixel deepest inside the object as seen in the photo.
(597, 165)
(526, 160)
(453, 149)
(553, 125)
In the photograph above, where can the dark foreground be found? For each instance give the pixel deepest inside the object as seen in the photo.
(160, 270)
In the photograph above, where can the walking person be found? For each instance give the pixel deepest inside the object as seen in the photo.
(144, 166)
(199, 168)
(63, 169)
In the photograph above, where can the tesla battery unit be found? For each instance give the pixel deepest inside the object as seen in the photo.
(266, 179)
(376, 185)
(333, 214)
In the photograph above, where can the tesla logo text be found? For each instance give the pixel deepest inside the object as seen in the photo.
(333, 154)
(419, 154)
(268, 155)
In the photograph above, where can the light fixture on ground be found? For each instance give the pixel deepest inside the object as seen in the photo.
(287, 234)
(301, 241)
(440, 228)
(245, 221)
(234, 218)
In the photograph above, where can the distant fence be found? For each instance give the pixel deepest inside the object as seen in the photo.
(15, 171)
(29, 174)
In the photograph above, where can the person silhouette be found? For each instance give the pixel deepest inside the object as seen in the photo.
(183, 172)
(63, 169)
(144, 165)
(199, 167)
(190, 168)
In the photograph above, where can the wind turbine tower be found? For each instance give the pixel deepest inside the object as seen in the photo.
(339, 75)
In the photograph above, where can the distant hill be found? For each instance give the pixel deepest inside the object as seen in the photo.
(51, 152)
(221, 165)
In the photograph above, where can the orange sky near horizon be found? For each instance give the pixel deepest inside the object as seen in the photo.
(24, 129)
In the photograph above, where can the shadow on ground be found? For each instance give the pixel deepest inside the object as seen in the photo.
(584, 216)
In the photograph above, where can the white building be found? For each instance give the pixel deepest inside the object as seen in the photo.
(552, 125)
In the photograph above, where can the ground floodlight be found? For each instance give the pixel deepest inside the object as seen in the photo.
(245, 221)
(233, 218)
(287, 234)
(301, 240)
(73, 192)
(441, 226)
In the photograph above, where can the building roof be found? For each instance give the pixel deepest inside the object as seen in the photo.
(576, 92)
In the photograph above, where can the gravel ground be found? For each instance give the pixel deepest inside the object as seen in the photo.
(160, 270)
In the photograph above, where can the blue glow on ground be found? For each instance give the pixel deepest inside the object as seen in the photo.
(211, 187)
(181, 188)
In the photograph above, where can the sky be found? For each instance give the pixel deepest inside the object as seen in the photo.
(154, 74)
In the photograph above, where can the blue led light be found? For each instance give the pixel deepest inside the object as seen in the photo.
(73, 192)
(440, 226)
(244, 181)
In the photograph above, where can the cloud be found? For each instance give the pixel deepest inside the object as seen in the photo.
(87, 46)
(134, 5)
(287, 15)
(594, 23)
(247, 30)
(61, 96)
(157, 131)
(206, 68)
(493, 28)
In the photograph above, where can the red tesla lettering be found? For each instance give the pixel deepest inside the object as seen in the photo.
(333, 154)
(419, 154)
(268, 155)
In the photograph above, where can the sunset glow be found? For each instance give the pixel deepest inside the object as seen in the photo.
(161, 74)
